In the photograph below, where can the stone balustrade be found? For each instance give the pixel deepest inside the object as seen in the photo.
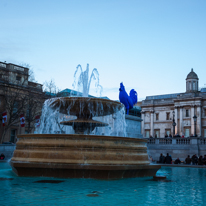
(177, 141)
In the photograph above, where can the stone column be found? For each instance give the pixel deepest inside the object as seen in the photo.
(152, 124)
(199, 121)
(181, 122)
(142, 124)
(192, 120)
(176, 120)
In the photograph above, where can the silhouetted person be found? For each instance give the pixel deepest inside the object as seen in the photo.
(168, 159)
(204, 160)
(161, 158)
(194, 159)
(200, 162)
(177, 161)
(188, 160)
(2, 157)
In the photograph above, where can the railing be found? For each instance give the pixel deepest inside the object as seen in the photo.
(19, 68)
(151, 141)
(2, 65)
(176, 141)
(165, 141)
(202, 141)
(182, 141)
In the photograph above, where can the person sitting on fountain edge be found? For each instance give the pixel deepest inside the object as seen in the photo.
(177, 161)
(161, 158)
(2, 157)
(168, 159)
(188, 160)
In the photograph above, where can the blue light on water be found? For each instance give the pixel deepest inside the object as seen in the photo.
(184, 186)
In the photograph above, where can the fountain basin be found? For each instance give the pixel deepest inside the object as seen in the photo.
(81, 156)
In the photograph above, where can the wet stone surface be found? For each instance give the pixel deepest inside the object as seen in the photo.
(3, 178)
(159, 180)
(49, 181)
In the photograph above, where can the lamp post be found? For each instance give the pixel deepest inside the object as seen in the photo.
(195, 122)
(174, 123)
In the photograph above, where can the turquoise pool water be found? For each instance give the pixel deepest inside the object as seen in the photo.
(184, 186)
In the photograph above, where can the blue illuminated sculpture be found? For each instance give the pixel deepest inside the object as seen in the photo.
(128, 101)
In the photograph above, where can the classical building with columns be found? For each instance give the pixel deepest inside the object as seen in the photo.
(163, 115)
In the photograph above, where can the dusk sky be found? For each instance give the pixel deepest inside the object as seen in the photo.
(148, 45)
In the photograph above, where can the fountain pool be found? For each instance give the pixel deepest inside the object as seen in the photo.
(183, 186)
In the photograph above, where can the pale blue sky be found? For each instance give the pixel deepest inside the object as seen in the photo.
(149, 45)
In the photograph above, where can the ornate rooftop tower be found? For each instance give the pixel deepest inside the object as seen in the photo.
(192, 82)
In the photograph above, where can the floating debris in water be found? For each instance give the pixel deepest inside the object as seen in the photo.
(92, 195)
(48, 181)
(96, 192)
(4, 178)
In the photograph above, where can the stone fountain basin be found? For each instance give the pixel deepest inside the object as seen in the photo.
(81, 156)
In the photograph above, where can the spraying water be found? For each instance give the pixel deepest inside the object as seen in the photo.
(52, 116)
(82, 81)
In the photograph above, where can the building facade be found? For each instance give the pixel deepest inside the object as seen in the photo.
(18, 96)
(187, 110)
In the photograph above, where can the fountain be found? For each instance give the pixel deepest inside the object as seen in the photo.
(81, 155)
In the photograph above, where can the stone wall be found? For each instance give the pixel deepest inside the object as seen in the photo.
(7, 150)
(176, 147)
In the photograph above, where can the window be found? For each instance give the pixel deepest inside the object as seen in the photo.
(167, 116)
(13, 135)
(157, 116)
(194, 88)
(147, 133)
(204, 132)
(187, 132)
(1, 76)
(187, 112)
(18, 78)
(157, 133)
(205, 112)
(167, 132)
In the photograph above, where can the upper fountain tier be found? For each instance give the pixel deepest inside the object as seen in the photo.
(85, 108)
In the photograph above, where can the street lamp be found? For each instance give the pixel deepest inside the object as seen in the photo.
(195, 121)
(174, 123)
